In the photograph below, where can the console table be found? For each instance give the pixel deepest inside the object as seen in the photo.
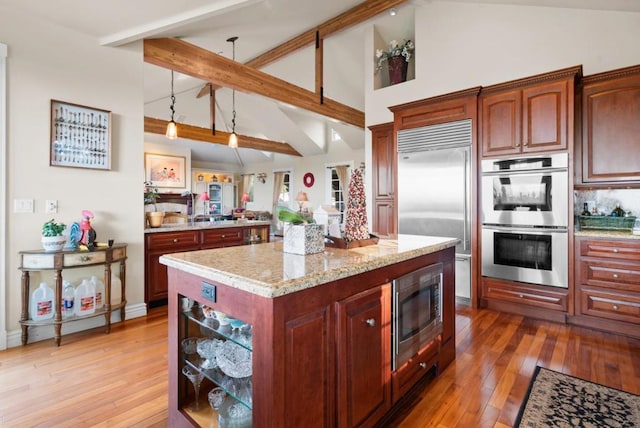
(40, 260)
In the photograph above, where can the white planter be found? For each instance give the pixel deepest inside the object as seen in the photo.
(53, 243)
(303, 238)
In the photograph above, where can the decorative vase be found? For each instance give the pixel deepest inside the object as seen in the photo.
(303, 238)
(397, 69)
(155, 218)
(53, 243)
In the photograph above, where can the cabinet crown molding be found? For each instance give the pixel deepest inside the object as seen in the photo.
(575, 72)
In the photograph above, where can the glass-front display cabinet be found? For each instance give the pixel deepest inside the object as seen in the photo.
(215, 363)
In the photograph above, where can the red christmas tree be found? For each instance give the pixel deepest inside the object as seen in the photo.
(355, 227)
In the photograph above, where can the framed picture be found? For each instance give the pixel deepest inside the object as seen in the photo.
(165, 170)
(80, 136)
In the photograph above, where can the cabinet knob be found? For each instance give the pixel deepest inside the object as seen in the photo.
(175, 240)
(521, 296)
(615, 250)
(616, 307)
(423, 365)
(85, 258)
(371, 322)
(615, 275)
(222, 236)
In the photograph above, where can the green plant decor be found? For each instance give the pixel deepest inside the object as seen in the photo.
(51, 228)
(287, 215)
(151, 194)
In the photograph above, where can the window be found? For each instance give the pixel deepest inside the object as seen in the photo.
(336, 196)
(285, 196)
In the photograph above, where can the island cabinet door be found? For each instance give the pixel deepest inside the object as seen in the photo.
(364, 357)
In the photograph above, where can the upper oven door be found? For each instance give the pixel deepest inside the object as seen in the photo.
(532, 191)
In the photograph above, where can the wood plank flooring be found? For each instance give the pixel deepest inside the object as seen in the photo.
(120, 379)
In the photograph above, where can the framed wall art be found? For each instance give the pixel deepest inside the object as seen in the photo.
(80, 136)
(165, 170)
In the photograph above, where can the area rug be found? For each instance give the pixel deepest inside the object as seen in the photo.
(559, 400)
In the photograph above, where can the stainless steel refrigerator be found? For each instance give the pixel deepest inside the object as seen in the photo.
(434, 185)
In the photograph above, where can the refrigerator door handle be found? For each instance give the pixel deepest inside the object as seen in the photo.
(466, 203)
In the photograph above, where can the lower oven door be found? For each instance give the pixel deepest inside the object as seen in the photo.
(536, 256)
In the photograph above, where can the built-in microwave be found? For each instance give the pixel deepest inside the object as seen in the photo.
(417, 312)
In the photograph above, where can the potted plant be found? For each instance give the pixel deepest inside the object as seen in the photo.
(302, 235)
(397, 58)
(52, 239)
(155, 217)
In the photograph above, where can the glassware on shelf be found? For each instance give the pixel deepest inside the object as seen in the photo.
(189, 345)
(216, 397)
(233, 414)
(195, 376)
(234, 360)
(207, 349)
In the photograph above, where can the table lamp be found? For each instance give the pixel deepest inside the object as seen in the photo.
(301, 198)
(245, 198)
(204, 197)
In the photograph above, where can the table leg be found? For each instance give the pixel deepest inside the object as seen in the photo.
(25, 305)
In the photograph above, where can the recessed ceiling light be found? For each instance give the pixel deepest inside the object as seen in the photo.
(393, 11)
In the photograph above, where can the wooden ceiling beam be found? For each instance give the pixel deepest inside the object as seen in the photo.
(186, 58)
(159, 126)
(357, 14)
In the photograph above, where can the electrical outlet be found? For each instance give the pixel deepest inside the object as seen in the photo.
(51, 206)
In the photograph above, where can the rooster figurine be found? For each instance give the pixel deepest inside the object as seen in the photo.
(88, 236)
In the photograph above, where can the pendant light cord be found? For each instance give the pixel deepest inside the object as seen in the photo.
(173, 99)
(233, 91)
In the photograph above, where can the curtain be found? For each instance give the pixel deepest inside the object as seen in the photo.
(342, 171)
(247, 182)
(278, 178)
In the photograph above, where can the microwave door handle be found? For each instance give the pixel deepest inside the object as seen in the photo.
(396, 328)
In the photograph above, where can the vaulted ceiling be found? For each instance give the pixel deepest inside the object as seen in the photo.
(260, 26)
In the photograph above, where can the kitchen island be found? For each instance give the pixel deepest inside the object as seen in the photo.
(318, 330)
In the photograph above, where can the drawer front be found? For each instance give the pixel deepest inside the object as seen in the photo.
(86, 258)
(119, 254)
(415, 369)
(611, 305)
(227, 236)
(526, 295)
(38, 261)
(611, 249)
(611, 275)
(172, 240)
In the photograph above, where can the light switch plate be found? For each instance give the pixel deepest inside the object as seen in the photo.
(51, 206)
(23, 205)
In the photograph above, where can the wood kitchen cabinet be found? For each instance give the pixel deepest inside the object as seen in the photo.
(530, 115)
(363, 349)
(384, 164)
(158, 243)
(608, 284)
(610, 140)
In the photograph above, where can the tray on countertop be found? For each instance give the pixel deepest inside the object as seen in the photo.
(332, 241)
(602, 222)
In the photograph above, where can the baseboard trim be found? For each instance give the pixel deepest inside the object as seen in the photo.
(38, 333)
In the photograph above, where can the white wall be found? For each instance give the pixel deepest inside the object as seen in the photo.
(45, 62)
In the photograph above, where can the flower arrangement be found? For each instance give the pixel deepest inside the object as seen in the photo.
(405, 49)
(150, 193)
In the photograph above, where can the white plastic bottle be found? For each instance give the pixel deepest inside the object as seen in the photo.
(68, 297)
(99, 288)
(42, 302)
(85, 298)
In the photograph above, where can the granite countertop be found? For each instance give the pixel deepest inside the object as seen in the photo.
(177, 227)
(267, 271)
(618, 234)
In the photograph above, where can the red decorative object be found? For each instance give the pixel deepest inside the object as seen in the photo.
(308, 179)
(397, 69)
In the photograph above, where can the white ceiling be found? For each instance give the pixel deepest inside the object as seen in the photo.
(260, 26)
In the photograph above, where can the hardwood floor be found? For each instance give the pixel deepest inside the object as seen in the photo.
(120, 379)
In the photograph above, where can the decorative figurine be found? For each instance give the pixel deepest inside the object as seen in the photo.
(88, 236)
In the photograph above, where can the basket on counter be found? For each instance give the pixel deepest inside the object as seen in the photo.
(602, 222)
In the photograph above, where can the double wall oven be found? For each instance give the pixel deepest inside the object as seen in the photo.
(525, 217)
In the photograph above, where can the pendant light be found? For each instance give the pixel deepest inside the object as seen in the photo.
(233, 138)
(172, 129)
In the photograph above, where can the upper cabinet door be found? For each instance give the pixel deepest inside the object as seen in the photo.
(501, 123)
(384, 160)
(611, 127)
(545, 115)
